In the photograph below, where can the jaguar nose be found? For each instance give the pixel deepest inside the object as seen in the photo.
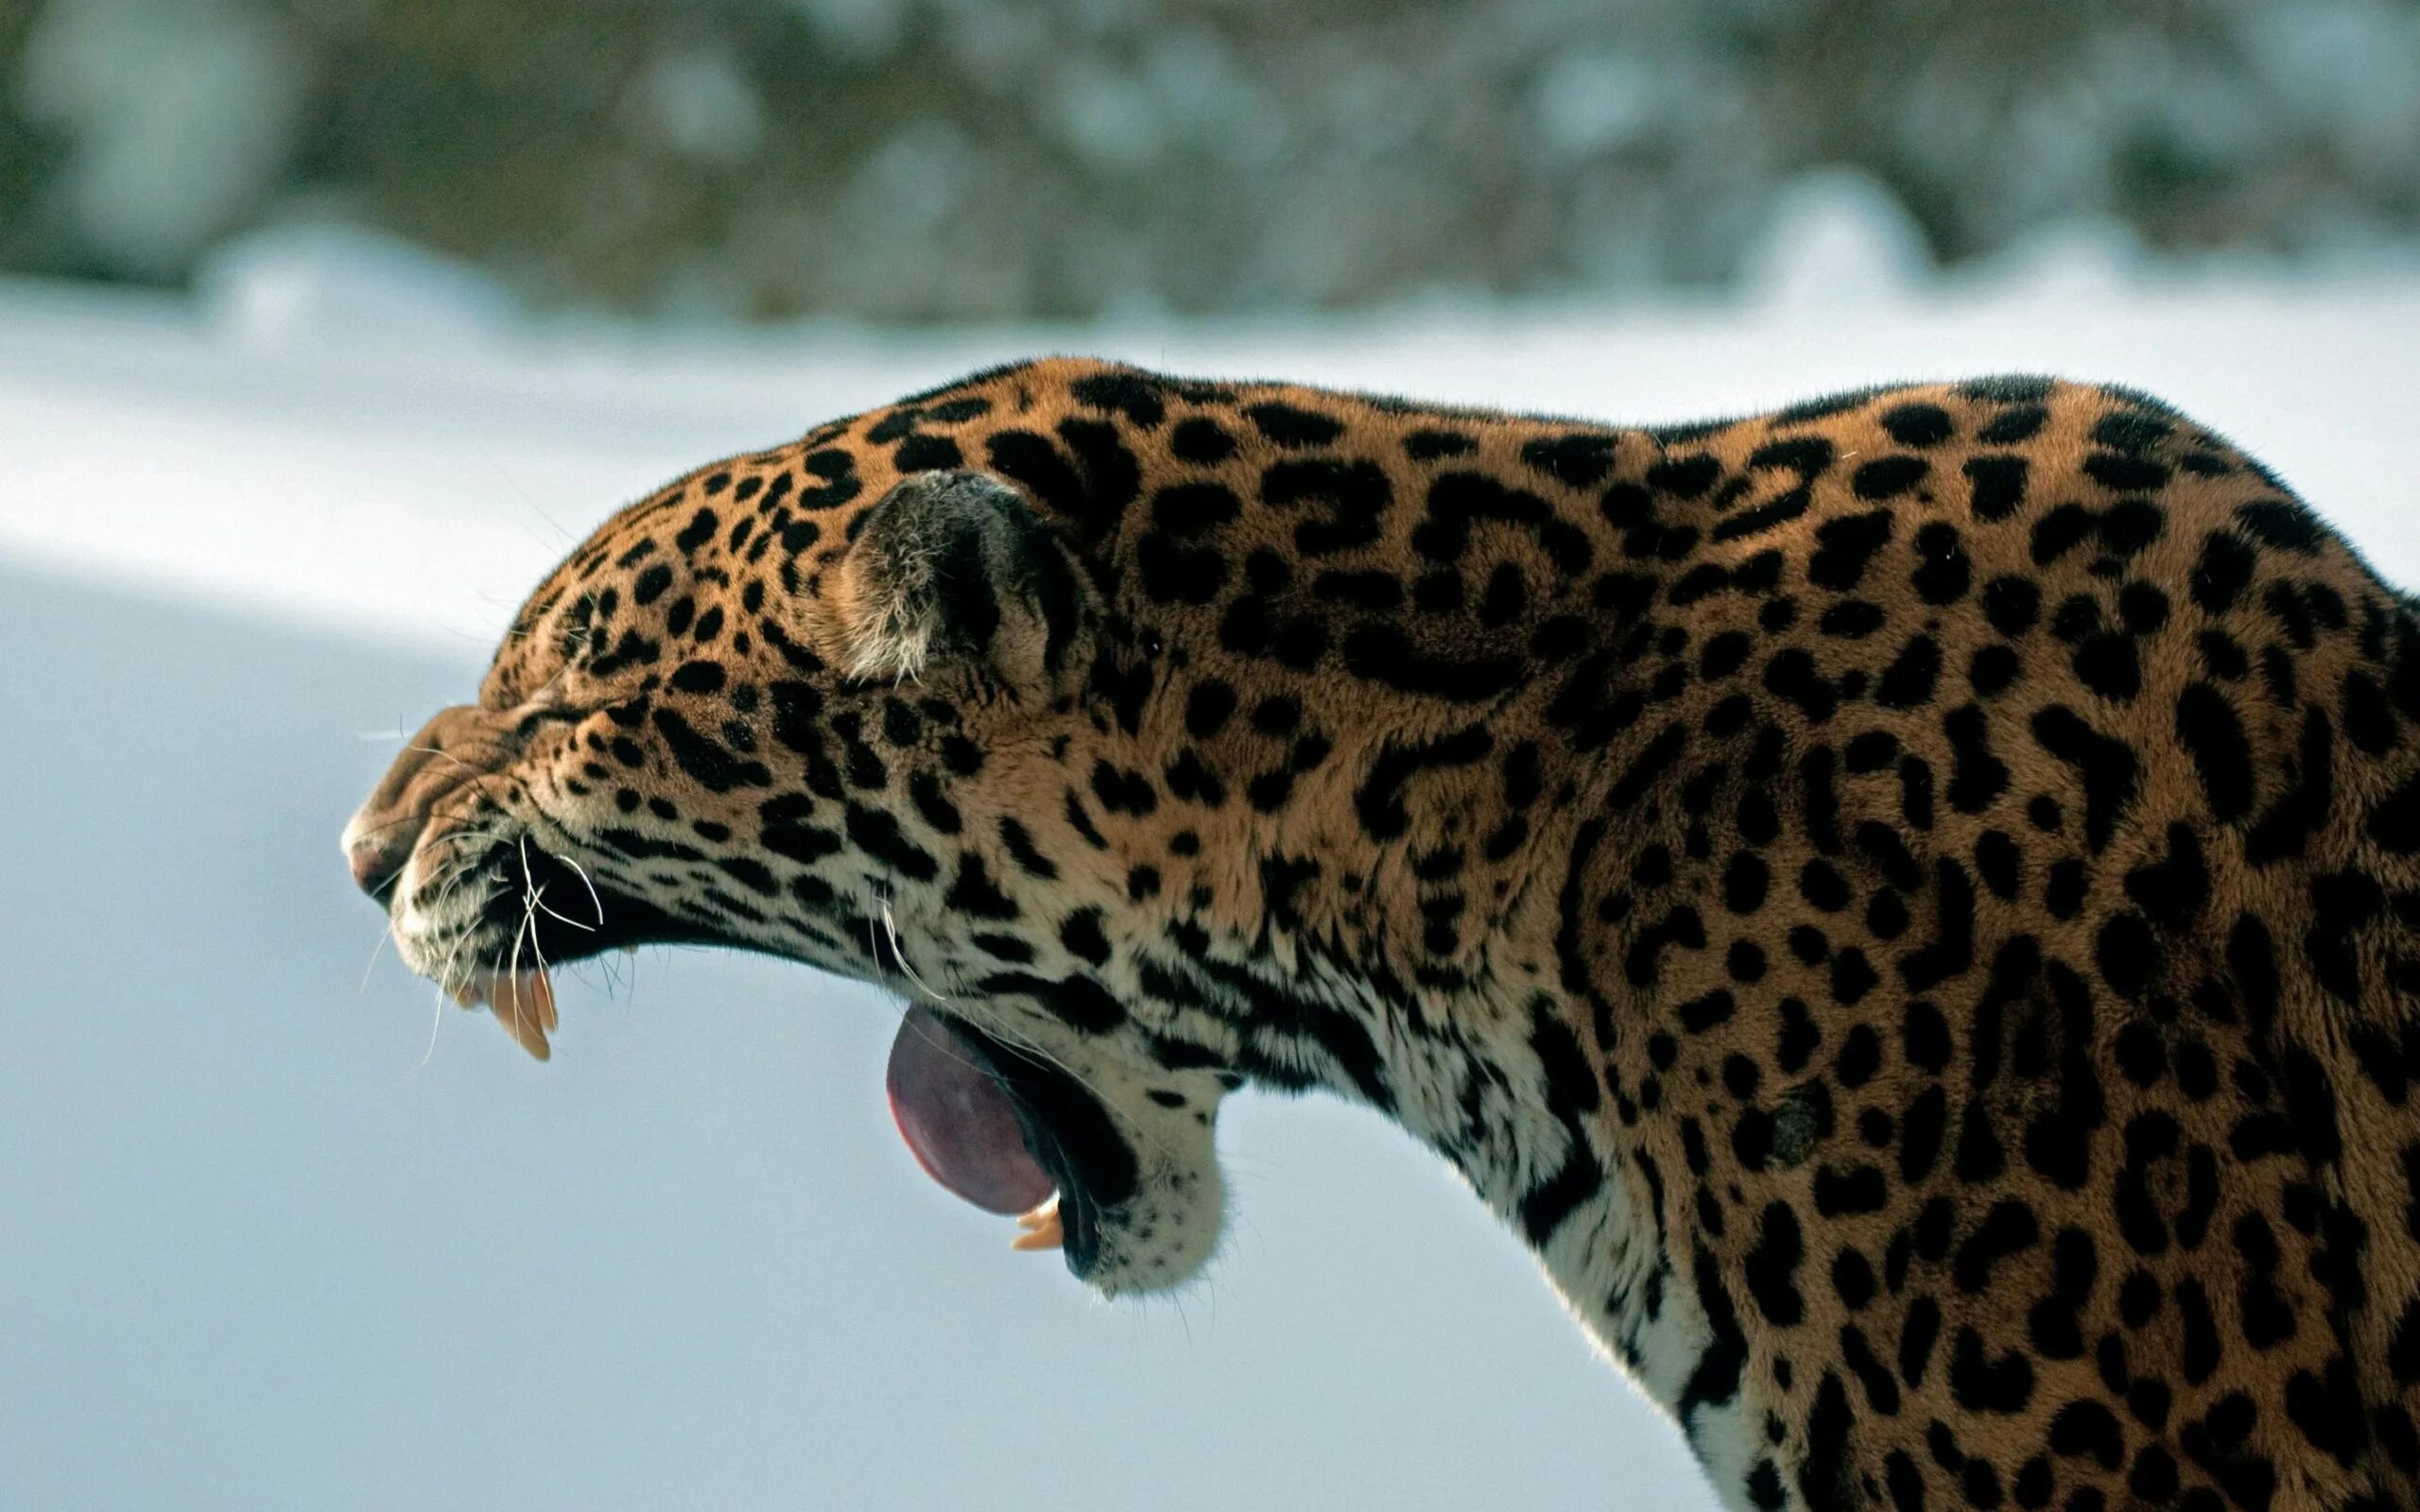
(376, 866)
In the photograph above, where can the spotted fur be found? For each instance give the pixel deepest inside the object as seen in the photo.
(1909, 904)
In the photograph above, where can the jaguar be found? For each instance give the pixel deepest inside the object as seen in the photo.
(1908, 904)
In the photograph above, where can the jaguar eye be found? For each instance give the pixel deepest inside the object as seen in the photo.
(537, 720)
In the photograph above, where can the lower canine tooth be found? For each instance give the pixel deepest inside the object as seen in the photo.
(1042, 1228)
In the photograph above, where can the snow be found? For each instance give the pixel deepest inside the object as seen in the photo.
(363, 436)
(277, 1250)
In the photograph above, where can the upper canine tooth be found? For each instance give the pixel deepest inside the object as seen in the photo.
(542, 996)
(525, 1004)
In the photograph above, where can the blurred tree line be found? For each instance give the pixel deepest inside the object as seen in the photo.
(929, 160)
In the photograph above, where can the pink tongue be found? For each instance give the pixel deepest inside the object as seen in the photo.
(957, 1123)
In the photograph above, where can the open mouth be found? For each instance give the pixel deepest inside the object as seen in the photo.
(997, 1125)
(539, 912)
(1002, 1129)
(977, 1114)
(523, 1002)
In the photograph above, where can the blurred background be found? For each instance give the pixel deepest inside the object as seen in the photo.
(981, 159)
(327, 326)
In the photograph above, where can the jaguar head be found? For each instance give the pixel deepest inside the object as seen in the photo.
(808, 704)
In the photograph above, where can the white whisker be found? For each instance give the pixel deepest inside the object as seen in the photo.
(384, 934)
(582, 873)
(445, 984)
(432, 750)
(513, 970)
(891, 927)
(538, 900)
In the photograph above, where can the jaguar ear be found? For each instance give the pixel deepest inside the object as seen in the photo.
(956, 566)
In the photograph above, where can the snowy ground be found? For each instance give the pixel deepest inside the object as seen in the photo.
(353, 437)
(265, 1248)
